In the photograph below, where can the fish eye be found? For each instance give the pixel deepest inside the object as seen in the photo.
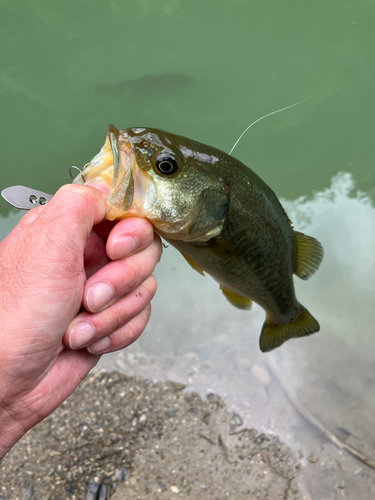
(166, 165)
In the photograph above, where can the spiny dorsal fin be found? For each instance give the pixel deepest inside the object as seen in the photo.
(309, 255)
(273, 335)
(236, 300)
(193, 264)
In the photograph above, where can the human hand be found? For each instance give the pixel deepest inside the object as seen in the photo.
(50, 265)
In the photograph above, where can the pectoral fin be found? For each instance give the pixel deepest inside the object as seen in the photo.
(309, 255)
(193, 264)
(274, 335)
(236, 300)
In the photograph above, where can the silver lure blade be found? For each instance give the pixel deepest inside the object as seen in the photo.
(25, 198)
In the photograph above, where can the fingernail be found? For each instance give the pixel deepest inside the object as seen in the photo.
(80, 335)
(99, 295)
(122, 246)
(100, 346)
(101, 186)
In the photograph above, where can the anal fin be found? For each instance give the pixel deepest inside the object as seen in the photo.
(193, 264)
(274, 335)
(236, 300)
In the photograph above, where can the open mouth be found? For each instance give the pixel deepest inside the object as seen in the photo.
(114, 165)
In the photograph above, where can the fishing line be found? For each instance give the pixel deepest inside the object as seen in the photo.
(365, 5)
(273, 113)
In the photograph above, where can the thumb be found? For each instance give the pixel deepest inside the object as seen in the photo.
(73, 211)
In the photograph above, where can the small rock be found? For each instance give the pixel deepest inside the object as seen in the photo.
(103, 492)
(236, 420)
(261, 374)
(162, 486)
(312, 459)
(121, 364)
(93, 489)
(177, 385)
(143, 418)
(174, 489)
(30, 491)
(121, 475)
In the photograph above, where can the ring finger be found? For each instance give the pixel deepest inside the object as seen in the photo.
(87, 329)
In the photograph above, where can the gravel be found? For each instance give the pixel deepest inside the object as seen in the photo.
(123, 438)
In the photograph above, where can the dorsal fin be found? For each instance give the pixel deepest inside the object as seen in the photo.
(309, 255)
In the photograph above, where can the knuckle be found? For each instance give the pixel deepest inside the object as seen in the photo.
(149, 234)
(113, 320)
(132, 277)
(147, 313)
(156, 248)
(78, 192)
(78, 197)
(149, 287)
(136, 327)
(129, 333)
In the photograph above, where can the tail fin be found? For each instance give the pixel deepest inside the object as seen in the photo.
(274, 335)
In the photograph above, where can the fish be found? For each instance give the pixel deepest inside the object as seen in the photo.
(222, 217)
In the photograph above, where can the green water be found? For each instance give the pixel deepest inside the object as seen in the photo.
(204, 69)
(207, 69)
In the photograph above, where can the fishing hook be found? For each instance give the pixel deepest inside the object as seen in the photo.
(79, 170)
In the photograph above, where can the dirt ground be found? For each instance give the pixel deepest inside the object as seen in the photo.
(123, 438)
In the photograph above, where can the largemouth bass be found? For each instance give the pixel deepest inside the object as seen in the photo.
(219, 214)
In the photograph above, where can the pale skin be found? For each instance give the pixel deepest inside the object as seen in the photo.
(67, 296)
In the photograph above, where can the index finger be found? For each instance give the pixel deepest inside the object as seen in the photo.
(129, 236)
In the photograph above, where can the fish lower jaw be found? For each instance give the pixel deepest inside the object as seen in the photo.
(99, 169)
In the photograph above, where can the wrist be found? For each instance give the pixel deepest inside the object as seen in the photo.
(11, 430)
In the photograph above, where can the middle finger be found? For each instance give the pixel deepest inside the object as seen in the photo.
(87, 329)
(119, 277)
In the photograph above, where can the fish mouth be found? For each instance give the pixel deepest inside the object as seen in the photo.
(116, 165)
